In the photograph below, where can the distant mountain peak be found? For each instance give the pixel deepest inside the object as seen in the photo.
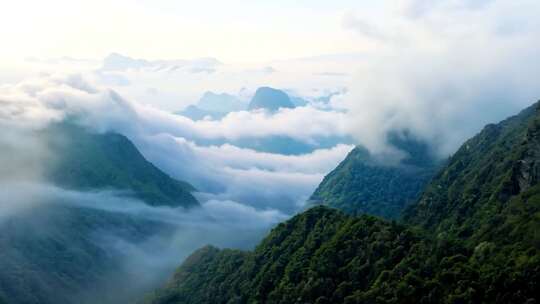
(220, 102)
(270, 99)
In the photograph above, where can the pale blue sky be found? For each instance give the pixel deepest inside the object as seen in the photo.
(233, 30)
(246, 31)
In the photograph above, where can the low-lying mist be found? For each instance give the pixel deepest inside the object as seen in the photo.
(100, 246)
(128, 246)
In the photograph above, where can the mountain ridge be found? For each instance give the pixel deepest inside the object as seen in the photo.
(84, 160)
(500, 157)
(361, 183)
(325, 256)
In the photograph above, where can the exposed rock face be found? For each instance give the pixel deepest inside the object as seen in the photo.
(528, 172)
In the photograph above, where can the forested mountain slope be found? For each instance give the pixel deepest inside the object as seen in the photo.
(64, 247)
(83, 160)
(325, 256)
(490, 186)
(363, 184)
(473, 237)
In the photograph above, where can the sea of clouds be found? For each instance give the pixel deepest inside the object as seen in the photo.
(243, 192)
(440, 71)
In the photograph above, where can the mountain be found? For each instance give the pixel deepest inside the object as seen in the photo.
(212, 105)
(195, 113)
(490, 187)
(299, 101)
(270, 99)
(63, 242)
(320, 256)
(325, 256)
(472, 237)
(364, 184)
(84, 160)
(223, 103)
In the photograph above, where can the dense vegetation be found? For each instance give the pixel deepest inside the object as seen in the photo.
(489, 186)
(362, 184)
(324, 256)
(86, 161)
(473, 237)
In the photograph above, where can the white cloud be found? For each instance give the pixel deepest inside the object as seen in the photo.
(177, 88)
(52, 98)
(319, 161)
(454, 73)
(422, 8)
(351, 21)
(35, 211)
(214, 213)
(168, 140)
(262, 180)
(438, 81)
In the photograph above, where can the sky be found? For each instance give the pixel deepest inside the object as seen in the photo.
(439, 70)
(244, 31)
(387, 65)
(233, 31)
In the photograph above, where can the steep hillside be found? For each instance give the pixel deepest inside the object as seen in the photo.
(270, 99)
(87, 161)
(362, 184)
(325, 256)
(472, 238)
(490, 186)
